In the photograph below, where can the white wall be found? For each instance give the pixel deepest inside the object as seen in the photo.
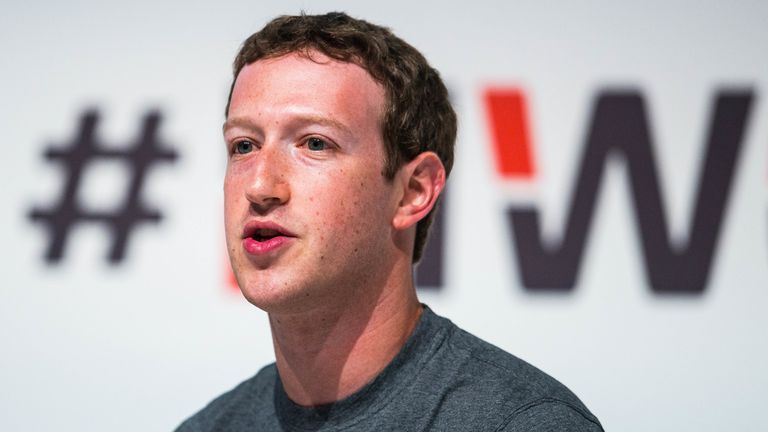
(143, 344)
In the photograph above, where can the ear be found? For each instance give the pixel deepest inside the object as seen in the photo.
(423, 179)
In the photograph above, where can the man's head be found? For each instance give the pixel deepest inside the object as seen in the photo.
(417, 117)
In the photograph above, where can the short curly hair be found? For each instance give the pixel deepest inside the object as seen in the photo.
(418, 115)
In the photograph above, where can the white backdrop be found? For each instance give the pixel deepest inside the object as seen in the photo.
(143, 344)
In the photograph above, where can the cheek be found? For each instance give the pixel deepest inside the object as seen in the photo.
(232, 197)
(359, 205)
(229, 190)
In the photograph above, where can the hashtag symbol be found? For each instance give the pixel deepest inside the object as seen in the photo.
(139, 155)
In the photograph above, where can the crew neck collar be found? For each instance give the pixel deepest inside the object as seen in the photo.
(429, 333)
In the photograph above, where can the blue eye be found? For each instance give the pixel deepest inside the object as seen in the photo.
(243, 147)
(316, 144)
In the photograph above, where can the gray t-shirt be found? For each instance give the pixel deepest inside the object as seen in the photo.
(443, 379)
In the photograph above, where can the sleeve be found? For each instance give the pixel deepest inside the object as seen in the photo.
(551, 416)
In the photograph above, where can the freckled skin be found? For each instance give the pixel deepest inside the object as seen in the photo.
(283, 181)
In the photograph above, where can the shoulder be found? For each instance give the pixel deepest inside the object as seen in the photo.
(506, 391)
(551, 415)
(508, 372)
(234, 409)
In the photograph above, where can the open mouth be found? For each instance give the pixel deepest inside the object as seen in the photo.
(264, 237)
(264, 234)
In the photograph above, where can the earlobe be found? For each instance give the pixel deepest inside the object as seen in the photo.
(423, 180)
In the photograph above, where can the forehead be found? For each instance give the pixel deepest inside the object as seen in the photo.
(314, 85)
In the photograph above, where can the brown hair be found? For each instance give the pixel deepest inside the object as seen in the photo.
(418, 115)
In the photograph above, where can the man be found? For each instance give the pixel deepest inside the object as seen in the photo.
(340, 138)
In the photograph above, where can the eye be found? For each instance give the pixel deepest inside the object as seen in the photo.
(316, 144)
(243, 147)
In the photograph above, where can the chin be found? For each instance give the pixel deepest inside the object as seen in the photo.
(273, 296)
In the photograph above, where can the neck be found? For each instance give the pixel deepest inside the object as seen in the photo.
(328, 353)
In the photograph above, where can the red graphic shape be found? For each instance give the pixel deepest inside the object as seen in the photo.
(231, 282)
(508, 122)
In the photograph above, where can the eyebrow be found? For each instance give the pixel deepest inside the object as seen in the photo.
(301, 119)
(242, 122)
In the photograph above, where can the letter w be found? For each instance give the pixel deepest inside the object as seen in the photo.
(620, 126)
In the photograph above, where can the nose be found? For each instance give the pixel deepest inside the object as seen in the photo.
(268, 186)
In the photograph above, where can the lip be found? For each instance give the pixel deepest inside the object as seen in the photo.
(251, 227)
(263, 247)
